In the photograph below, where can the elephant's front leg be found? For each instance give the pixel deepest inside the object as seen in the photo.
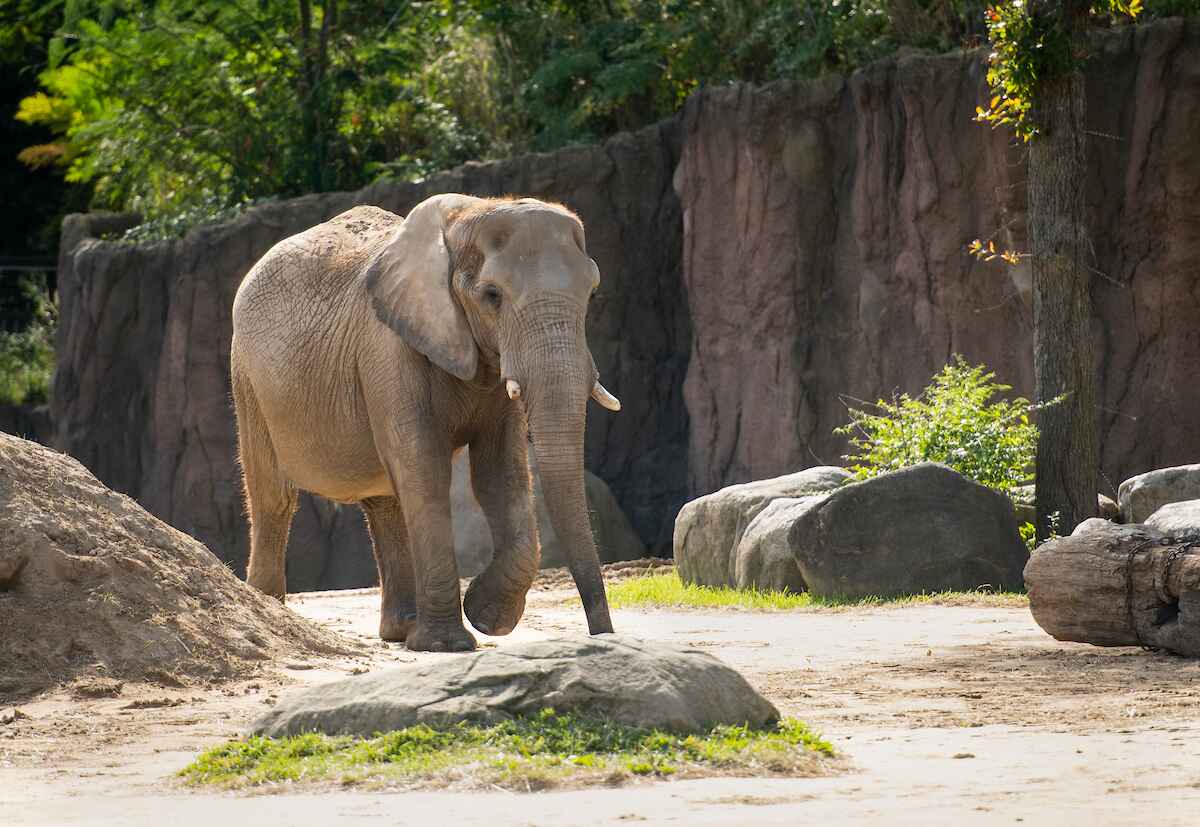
(495, 599)
(418, 462)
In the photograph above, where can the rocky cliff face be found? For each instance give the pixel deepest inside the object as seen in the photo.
(825, 227)
(141, 395)
(789, 249)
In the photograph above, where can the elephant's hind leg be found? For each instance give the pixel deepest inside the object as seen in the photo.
(397, 588)
(270, 498)
(495, 600)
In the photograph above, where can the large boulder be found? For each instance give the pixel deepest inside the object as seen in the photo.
(1181, 519)
(92, 585)
(1141, 496)
(709, 529)
(616, 541)
(616, 678)
(922, 529)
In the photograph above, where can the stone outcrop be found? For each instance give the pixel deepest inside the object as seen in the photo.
(1143, 495)
(141, 395)
(709, 529)
(921, 529)
(93, 586)
(784, 247)
(825, 227)
(1177, 519)
(616, 540)
(615, 678)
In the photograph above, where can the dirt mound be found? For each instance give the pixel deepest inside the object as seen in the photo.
(93, 586)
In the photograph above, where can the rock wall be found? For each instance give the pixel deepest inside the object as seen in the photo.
(141, 395)
(825, 227)
(789, 249)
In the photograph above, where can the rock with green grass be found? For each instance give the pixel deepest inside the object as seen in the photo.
(709, 529)
(628, 681)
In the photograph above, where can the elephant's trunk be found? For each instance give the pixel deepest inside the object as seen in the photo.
(556, 384)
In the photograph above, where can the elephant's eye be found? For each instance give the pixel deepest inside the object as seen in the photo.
(491, 295)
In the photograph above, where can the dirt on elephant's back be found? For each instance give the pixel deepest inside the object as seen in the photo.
(94, 588)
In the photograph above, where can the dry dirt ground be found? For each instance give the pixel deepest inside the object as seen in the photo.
(946, 715)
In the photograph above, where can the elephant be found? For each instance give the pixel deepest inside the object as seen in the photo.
(368, 349)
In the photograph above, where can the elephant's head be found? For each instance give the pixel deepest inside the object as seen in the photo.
(506, 282)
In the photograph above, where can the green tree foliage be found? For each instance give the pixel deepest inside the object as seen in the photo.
(162, 105)
(185, 106)
(27, 354)
(953, 421)
(1032, 44)
(165, 106)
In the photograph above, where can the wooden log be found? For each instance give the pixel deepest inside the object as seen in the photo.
(1119, 585)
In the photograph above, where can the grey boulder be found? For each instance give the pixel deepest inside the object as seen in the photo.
(1181, 519)
(764, 558)
(921, 529)
(1090, 526)
(709, 529)
(612, 677)
(1141, 496)
(615, 538)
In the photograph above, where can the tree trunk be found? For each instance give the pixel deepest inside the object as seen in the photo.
(1062, 349)
(1118, 585)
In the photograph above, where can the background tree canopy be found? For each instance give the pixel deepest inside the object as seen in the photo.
(183, 108)
(174, 106)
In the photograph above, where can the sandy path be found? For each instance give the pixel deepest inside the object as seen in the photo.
(947, 715)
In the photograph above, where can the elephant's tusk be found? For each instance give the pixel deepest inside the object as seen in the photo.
(606, 399)
(514, 390)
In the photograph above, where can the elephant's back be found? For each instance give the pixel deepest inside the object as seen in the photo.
(312, 268)
(299, 309)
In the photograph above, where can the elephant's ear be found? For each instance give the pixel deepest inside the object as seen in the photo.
(409, 284)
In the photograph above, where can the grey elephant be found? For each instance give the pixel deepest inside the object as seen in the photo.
(370, 348)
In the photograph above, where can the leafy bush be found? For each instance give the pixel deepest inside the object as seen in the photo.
(953, 421)
(27, 356)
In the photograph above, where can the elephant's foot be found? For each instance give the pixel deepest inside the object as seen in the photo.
(491, 612)
(397, 625)
(270, 586)
(440, 637)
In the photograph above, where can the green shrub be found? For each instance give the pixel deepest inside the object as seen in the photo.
(953, 421)
(27, 356)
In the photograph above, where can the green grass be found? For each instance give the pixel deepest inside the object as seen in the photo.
(524, 754)
(668, 591)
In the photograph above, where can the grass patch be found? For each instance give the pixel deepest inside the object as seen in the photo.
(525, 754)
(668, 591)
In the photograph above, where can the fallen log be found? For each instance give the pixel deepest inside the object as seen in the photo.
(1119, 585)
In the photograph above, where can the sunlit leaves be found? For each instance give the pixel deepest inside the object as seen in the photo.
(1031, 44)
(989, 252)
(957, 421)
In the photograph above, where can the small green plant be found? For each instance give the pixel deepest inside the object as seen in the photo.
(669, 591)
(27, 356)
(209, 209)
(957, 421)
(526, 753)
